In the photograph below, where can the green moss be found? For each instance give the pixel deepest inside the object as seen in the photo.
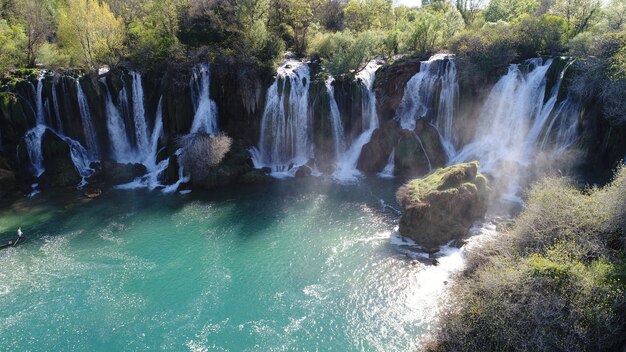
(444, 178)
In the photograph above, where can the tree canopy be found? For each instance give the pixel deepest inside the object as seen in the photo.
(342, 33)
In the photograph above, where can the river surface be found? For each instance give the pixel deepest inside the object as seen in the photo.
(293, 266)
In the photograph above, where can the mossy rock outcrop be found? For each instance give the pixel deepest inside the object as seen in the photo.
(443, 205)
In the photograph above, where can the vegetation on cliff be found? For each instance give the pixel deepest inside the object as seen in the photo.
(556, 280)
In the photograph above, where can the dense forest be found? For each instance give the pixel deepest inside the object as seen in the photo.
(344, 35)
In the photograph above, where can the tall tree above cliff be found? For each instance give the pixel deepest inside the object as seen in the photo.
(469, 9)
(35, 16)
(363, 15)
(298, 16)
(580, 15)
(90, 32)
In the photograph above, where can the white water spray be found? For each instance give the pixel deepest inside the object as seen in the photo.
(205, 117)
(139, 116)
(347, 164)
(286, 127)
(88, 129)
(335, 119)
(420, 94)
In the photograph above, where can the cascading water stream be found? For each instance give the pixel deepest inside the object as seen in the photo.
(139, 117)
(347, 164)
(335, 119)
(205, 117)
(78, 154)
(511, 122)
(419, 97)
(121, 150)
(40, 112)
(32, 140)
(505, 123)
(390, 167)
(563, 127)
(85, 116)
(57, 112)
(151, 179)
(286, 136)
(448, 103)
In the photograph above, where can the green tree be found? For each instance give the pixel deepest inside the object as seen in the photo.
(425, 33)
(507, 10)
(35, 16)
(615, 15)
(363, 15)
(544, 34)
(580, 15)
(12, 45)
(297, 17)
(90, 32)
(469, 9)
(346, 53)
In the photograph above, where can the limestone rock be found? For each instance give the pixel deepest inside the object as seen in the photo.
(443, 205)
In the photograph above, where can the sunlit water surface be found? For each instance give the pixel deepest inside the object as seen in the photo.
(296, 266)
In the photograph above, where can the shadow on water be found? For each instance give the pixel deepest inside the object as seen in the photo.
(254, 208)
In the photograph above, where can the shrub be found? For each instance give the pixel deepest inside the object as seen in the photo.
(603, 76)
(201, 151)
(486, 49)
(555, 281)
(346, 53)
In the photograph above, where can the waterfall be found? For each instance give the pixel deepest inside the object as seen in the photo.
(80, 158)
(57, 112)
(151, 179)
(205, 117)
(121, 149)
(88, 129)
(390, 167)
(286, 136)
(419, 99)
(563, 127)
(41, 115)
(32, 139)
(154, 138)
(139, 116)
(506, 120)
(347, 164)
(78, 154)
(181, 177)
(335, 119)
(511, 123)
(448, 102)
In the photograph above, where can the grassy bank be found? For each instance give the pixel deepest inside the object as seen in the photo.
(554, 281)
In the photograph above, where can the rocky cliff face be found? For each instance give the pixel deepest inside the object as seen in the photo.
(239, 92)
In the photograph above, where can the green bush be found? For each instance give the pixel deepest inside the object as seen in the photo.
(12, 45)
(489, 48)
(346, 53)
(555, 281)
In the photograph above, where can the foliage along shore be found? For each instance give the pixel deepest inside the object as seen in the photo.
(555, 280)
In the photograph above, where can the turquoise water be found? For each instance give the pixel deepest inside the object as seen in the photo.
(296, 266)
